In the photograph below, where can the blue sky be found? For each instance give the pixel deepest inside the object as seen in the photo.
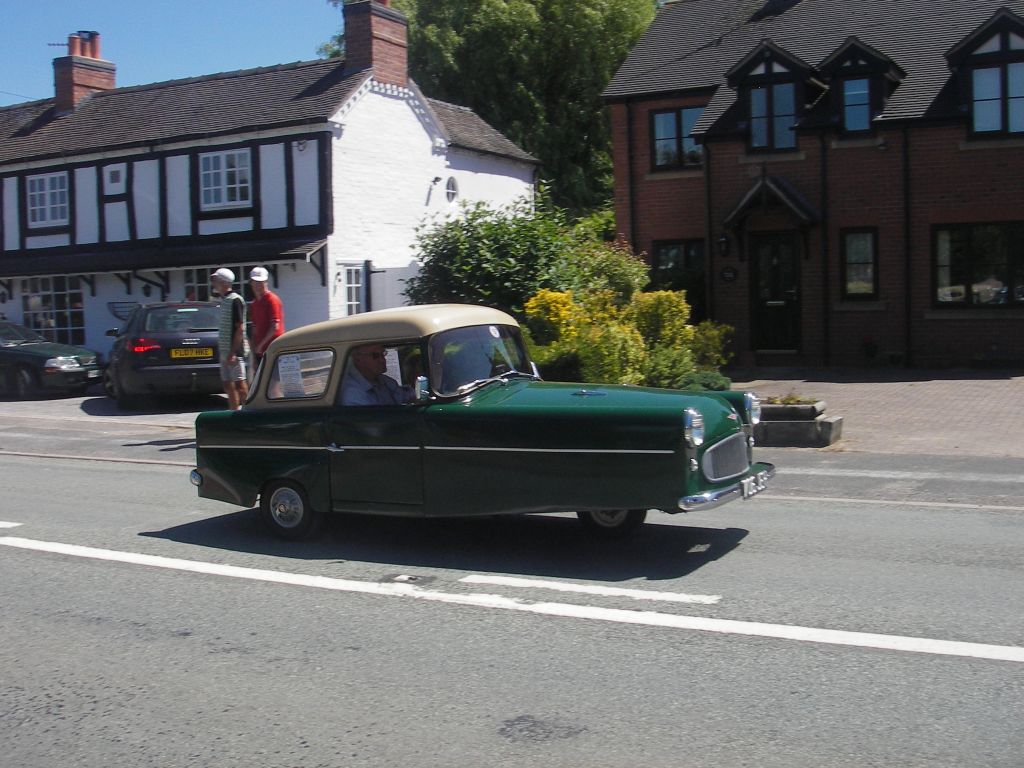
(155, 40)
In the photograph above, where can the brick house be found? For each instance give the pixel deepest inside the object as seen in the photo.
(843, 182)
(320, 171)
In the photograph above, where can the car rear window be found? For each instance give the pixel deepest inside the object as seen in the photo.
(182, 319)
(300, 375)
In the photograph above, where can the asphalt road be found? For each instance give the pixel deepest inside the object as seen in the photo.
(867, 611)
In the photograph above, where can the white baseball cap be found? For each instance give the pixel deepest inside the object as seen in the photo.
(259, 274)
(225, 274)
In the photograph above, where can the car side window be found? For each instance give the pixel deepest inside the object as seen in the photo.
(300, 375)
(380, 374)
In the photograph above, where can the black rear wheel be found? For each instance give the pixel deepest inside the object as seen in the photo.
(612, 524)
(285, 507)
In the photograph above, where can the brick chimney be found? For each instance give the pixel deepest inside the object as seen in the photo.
(376, 36)
(82, 72)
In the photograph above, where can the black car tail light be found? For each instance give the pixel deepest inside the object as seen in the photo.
(142, 345)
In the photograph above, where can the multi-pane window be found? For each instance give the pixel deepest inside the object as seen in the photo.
(856, 104)
(997, 91)
(53, 307)
(979, 265)
(679, 266)
(353, 290)
(772, 116)
(224, 179)
(860, 265)
(47, 199)
(673, 142)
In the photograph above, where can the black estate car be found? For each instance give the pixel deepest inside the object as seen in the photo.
(167, 348)
(30, 365)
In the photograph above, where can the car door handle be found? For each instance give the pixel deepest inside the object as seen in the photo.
(333, 448)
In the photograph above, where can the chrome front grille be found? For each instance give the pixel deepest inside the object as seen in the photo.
(726, 459)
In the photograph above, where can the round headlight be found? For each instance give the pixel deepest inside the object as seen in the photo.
(693, 427)
(753, 406)
(62, 364)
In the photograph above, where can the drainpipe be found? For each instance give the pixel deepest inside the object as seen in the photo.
(908, 358)
(629, 176)
(826, 320)
(709, 279)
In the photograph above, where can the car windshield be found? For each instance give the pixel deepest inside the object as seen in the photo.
(181, 319)
(463, 358)
(12, 334)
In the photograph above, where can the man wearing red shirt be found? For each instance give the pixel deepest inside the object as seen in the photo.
(267, 315)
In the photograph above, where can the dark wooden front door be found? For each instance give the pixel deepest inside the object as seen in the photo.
(775, 265)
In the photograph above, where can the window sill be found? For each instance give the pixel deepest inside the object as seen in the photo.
(682, 173)
(992, 143)
(771, 157)
(956, 313)
(873, 142)
(862, 306)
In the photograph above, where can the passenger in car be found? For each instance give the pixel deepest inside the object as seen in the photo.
(366, 383)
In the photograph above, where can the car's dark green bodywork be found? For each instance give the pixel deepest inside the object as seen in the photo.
(510, 446)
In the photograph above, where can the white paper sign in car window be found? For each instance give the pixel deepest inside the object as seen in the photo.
(291, 376)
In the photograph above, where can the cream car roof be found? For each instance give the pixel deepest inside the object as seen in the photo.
(400, 323)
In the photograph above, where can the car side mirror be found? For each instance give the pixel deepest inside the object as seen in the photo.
(113, 331)
(422, 389)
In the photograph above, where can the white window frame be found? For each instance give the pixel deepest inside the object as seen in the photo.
(354, 295)
(225, 179)
(47, 199)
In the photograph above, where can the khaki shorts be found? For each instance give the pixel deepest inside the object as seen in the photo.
(232, 371)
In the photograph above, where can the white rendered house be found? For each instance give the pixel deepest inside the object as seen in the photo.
(320, 171)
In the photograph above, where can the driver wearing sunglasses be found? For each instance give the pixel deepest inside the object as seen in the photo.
(366, 383)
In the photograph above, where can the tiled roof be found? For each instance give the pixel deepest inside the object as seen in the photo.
(225, 103)
(466, 129)
(692, 44)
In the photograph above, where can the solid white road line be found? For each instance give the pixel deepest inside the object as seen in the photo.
(591, 589)
(8, 525)
(895, 474)
(617, 615)
(112, 459)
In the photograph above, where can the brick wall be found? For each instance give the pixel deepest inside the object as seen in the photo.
(851, 184)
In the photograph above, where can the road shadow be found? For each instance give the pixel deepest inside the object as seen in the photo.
(153, 406)
(187, 443)
(530, 545)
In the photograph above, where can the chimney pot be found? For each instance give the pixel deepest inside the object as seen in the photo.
(74, 45)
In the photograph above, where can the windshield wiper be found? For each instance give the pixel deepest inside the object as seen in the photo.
(501, 378)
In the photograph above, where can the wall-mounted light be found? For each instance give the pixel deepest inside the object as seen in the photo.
(301, 145)
(723, 245)
(436, 180)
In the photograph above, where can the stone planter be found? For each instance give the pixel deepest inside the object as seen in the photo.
(797, 426)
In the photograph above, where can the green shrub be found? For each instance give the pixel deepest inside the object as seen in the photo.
(668, 367)
(711, 345)
(611, 353)
(661, 317)
(594, 265)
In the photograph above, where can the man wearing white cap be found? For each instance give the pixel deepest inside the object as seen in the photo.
(267, 315)
(233, 346)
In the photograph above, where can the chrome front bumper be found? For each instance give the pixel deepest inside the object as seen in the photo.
(751, 484)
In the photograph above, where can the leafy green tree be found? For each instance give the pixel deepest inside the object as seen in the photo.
(534, 69)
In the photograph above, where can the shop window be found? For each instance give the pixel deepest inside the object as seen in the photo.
(53, 306)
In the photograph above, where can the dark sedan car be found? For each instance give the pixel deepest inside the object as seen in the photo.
(30, 365)
(166, 348)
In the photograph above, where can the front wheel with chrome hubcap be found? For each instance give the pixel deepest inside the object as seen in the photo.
(284, 506)
(612, 524)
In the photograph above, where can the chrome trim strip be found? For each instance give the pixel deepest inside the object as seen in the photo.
(712, 499)
(251, 447)
(541, 450)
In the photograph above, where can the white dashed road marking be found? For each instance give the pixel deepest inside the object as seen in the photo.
(644, 618)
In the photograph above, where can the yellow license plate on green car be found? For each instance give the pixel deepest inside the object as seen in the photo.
(191, 352)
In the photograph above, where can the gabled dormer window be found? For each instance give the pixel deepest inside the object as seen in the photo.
(672, 141)
(991, 60)
(771, 83)
(861, 79)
